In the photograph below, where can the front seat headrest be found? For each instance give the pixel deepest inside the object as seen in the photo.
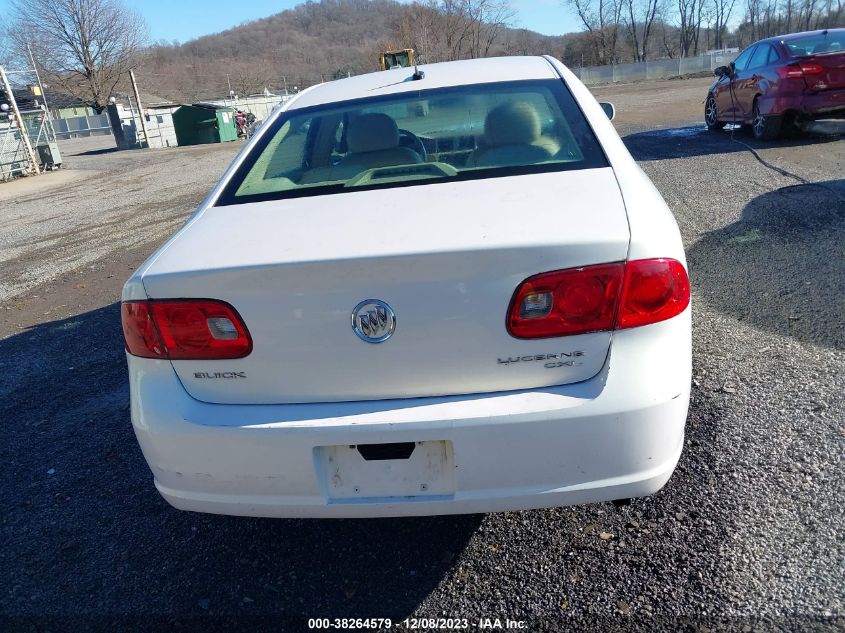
(372, 133)
(512, 123)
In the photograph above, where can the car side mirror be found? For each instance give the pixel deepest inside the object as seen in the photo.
(608, 108)
(721, 71)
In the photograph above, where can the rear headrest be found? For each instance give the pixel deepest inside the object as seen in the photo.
(372, 133)
(513, 123)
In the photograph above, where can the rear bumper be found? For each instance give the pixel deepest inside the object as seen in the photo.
(822, 104)
(830, 103)
(617, 435)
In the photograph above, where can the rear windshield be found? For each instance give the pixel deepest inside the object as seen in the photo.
(817, 43)
(468, 132)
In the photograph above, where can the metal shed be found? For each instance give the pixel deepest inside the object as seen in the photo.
(161, 130)
(204, 123)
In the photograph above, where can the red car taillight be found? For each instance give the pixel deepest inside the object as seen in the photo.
(812, 69)
(654, 290)
(566, 302)
(598, 298)
(797, 70)
(184, 329)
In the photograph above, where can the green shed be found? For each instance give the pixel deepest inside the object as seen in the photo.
(204, 123)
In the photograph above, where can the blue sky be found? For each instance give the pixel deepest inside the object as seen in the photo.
(186, 19)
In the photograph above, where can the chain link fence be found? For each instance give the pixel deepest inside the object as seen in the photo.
(27, 136)
(82, 126)
(659, 69)
(14, 160)
(259, 105)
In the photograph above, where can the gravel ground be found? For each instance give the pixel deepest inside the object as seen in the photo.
(118, 201)
(747, 535)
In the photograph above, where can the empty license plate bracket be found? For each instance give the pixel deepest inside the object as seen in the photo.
(372, 471)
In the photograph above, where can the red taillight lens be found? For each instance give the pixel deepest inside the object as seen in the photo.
(790, 71)
(189, 329)
(654, 290)
(796, 70)
(139, 331)
(598, 298)
(566, 302)
(812, 69)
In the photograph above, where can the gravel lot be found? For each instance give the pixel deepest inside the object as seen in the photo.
(748, 533)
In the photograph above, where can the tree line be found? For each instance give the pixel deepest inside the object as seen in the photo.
(85, 47)
(619, 31)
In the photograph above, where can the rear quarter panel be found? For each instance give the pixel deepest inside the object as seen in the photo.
(654, 231)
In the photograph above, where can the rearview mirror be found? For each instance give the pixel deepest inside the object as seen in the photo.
(721, 71)
(608, 108)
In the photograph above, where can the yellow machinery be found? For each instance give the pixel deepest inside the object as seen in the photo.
(397, 59)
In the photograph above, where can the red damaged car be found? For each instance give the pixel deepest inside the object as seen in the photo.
(779, 82)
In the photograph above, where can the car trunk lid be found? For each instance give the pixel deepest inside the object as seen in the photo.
(445, 257)
(824, 72)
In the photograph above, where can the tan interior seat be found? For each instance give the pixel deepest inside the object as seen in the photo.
(373, 141)
(512, 136)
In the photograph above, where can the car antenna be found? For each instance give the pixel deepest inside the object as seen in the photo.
(418, 74)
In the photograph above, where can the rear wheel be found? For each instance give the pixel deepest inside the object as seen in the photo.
(765, 128)
(711, 114)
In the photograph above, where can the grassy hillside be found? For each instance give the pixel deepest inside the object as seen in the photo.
(312, 42)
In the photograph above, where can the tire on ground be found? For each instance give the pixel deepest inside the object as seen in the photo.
(712, 120)
(765, 127)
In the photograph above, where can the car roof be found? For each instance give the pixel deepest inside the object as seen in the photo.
(795, 36)
(442, 75)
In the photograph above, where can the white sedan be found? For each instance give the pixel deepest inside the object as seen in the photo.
(417, 292)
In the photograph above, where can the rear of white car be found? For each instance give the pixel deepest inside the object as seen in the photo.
(473, 301)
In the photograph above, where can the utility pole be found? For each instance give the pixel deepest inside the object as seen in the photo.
(33, 161)
(38, 79)
(140, 111)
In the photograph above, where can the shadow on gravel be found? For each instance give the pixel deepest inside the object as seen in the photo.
(85, 532)
(94, 152)
(684, 142)
(782, 266)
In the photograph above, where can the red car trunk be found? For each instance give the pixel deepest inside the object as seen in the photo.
(824, 72)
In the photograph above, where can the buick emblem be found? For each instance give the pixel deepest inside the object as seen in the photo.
(373, 321)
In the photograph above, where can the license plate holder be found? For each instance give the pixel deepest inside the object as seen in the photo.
(346, 476)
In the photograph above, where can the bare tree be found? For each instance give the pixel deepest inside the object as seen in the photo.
(807, 13)
(833, 14)
(85, 47)
(722, 10)
(444, 30)
(765, 18)
(639, 20)
(488, 18)
(668, 39)
(422, 27)
(6, 50)
(690, 13)
(602, 19)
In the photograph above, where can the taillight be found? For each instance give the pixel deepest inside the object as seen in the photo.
(184, 329)
(797, 70)
(598, 298)
(139, 332)
(654, 290)
(790, 71)
(812, 69)
(566, 302)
